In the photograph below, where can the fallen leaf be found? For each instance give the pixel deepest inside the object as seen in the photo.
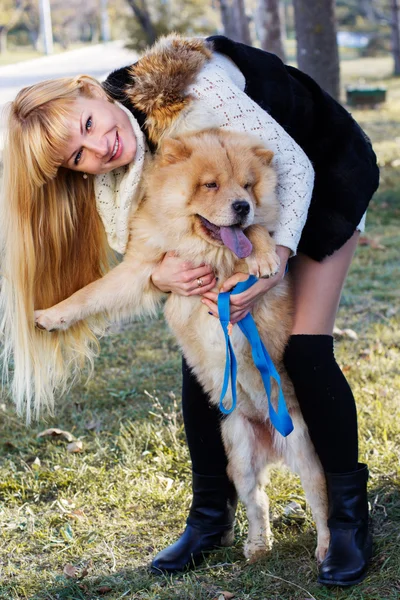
(294, 511)
(344, 333)
(84, 572)
(167, 481)
(9, 446)
(54, 432)
(77, 514)
(224, 596)
(70, 571)
(373, 243)
(350, 333)
(36, 464)
(346, 368)
(66, 503)
(103, 589)
(75, 446)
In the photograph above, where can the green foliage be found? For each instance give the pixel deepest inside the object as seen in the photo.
(189, 17)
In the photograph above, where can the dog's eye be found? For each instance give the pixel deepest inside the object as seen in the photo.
(247, 186)
(210, 185)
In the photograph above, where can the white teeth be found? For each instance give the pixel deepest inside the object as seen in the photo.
(115, 149)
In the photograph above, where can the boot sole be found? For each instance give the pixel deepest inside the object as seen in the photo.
(195, 561)
(333, 583)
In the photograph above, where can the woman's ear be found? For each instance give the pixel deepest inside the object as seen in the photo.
(172, 151)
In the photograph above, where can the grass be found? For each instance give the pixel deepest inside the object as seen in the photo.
(107, 510)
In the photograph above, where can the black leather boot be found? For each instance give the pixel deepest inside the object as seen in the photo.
(350, 547)
(209, 525)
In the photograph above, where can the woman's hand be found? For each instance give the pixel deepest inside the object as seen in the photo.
(174, 275)
(241, 304)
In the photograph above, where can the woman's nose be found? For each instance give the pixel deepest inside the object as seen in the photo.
(98, 146)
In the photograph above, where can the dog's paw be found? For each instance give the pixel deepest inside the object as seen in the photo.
(264, 266)
(50, 321)
(322, 549)
(257, 548)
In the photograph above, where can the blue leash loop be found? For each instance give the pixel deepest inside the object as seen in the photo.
(279, 418)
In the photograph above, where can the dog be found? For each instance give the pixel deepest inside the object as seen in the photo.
(210, 197)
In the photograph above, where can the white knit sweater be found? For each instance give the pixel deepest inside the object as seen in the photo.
(220, 85)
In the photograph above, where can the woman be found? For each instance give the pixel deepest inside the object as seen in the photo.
(64, 132)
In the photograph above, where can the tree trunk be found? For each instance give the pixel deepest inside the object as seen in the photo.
(3, 39)
(240, 18)
(317, 49)
(395, 24)
(228, 24)
(143, 16)
(269, 27)
(4, 29)
(234, 20)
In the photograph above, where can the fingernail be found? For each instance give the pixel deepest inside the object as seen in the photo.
(210, 313)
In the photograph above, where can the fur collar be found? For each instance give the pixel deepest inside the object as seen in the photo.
(159, 79)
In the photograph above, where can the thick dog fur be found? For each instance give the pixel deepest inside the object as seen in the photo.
(161, 78)
(176, 196)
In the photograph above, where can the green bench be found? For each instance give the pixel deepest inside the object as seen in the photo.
(365, 96)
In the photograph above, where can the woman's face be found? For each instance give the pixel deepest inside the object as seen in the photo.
(102, 138)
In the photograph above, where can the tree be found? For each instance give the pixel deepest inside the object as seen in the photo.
(269, 27)
(379, 19)
(141, 12)
(235, 21)
(160, 17)
(395, 24)
(11, 13)
(317, 49)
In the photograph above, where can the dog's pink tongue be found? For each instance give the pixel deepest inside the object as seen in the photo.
(234, 238)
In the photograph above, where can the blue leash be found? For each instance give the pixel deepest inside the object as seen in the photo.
(280, 419)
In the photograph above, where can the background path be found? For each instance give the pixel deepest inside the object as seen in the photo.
(97, 60)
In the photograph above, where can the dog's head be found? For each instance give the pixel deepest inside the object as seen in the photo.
(215, 184)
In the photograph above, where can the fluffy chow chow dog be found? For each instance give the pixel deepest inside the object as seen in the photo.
(210, 197)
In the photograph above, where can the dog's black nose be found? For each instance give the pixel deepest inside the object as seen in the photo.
(241, 207)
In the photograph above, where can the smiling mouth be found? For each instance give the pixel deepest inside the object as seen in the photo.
(117, 149)
(232, 237)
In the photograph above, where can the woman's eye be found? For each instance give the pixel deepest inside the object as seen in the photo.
(88, 124)
(210, 185)
(78, 157)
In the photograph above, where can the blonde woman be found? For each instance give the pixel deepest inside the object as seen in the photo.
(72, 169)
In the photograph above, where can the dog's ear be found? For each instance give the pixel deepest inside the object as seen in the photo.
(265, 155)
(173, 151)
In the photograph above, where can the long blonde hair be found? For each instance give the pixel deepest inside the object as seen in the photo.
(52, 243)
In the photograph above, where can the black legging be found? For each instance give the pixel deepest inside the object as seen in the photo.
(202, 426)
